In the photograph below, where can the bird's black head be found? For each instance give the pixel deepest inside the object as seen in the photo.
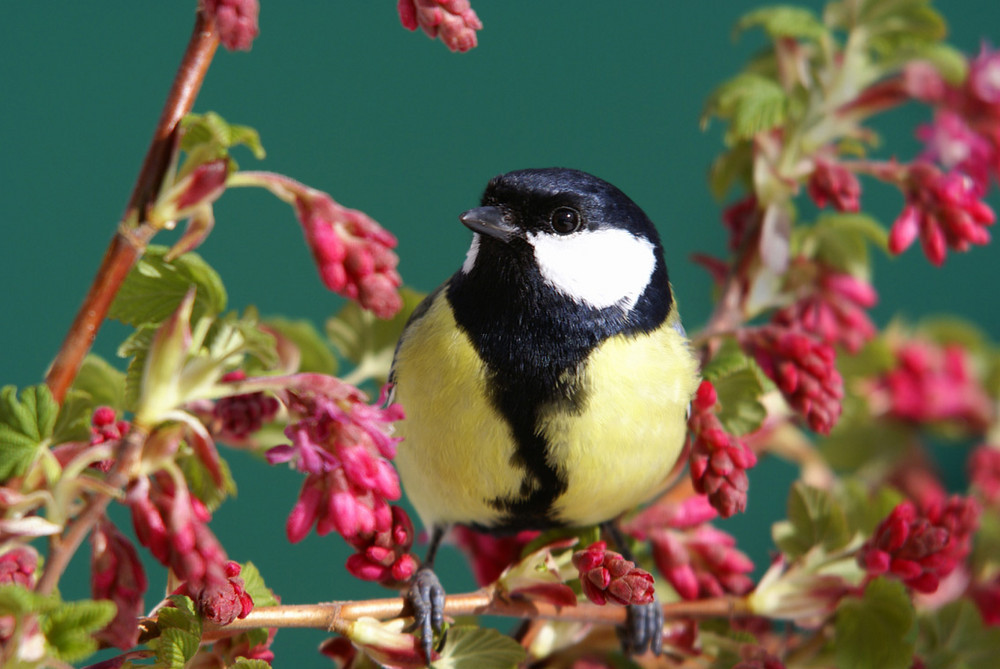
(576, 233)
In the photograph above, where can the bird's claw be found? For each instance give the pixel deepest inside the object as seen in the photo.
(643, 629)
(426, 598)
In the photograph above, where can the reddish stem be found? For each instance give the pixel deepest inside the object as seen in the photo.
(134, 233)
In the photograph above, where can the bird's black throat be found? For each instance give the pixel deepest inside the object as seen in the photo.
(533, 340)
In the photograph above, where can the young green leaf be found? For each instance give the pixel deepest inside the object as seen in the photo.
(369, 342)
(954, 636)
(315, 353)
(155, 287)
(201, 483)
(783, 21)
(212, 134)
(876, 630)
(16, 600)
(26, 422)
(751, 102)
(814, 519)
(244, 663)
(68, 628)
(470, 647)
(739, 382)
(841, 241)
(735, 166)
(136, 346)
(253, 583)
(864, 508)
(180, 633)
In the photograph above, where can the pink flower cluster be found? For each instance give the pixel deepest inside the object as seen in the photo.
(833, 308)
(454, 21)
(933, 383)
(944, 209)
(236, 20)
(719, 460)
(344, 447)
(18, 565)
(804, 370)
(104, 428)
(697, 559)
(385, 556)
(607, 576)
(921, 548)
(490, 554)
(239, 416)
(353, 253)
(116, 573)
(984, 473)
(172, 524)
(831, 182)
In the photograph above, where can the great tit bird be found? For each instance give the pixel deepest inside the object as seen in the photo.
(545, 384)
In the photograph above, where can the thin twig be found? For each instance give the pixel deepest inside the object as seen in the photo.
(134, 234)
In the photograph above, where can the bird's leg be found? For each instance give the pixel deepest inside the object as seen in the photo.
(643, 629)
(426, 597)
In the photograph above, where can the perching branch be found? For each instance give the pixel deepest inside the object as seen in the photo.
(134, 233)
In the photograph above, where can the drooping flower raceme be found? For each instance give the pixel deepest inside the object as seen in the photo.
(454, 21)
(607, 576)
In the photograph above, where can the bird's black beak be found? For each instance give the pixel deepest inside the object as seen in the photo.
(488, 221)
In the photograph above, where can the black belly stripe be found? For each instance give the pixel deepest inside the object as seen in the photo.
(532, 340)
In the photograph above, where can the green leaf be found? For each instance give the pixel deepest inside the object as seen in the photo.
(953, 330)
(739, 383)
(913, 24)
(814, 519)
(182, 615)
(253, 582)
(26, 421)
(369, 342)
(69, 627)
(855, 443)
(732, 167)
(180, 633)
(254, 341)
(783, 21)
(154, 288)
(315, 353)
(841, 241)
(201, 483)
(954, 637)
(876, 630)
(865, 508)
(751, 102)
(470, 647)
(16, 600)
(244, 663)
(211, 130)
(136, 346)
(96, 384)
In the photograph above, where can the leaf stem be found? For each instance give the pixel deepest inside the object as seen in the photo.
(134, 232)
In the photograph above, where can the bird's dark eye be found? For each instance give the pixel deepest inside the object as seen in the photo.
(565, 220)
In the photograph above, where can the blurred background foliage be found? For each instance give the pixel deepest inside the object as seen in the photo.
(393, 124)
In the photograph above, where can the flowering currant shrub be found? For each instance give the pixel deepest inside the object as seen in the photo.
(877, 564)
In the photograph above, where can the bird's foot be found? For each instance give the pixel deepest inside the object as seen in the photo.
(643, 629)
(426, 597)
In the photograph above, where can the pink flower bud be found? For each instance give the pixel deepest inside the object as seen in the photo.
(830, 182)
(18, 565)
(117, 574)
(237, 22)
(453, 21)
(607, 576)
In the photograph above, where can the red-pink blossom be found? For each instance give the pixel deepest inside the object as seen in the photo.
(804, 370)
(607, 576)
(931, 383)
(354, 254)
(454, 21)
(701, 562)
(228, 650)
(952, 144)
(742, 218)
(987, 599)
(345, 447)
(490, 554)
(385, 556)
(236, 21)
(755, 657)
(104, 428)
(921, 548)
(173, 525)
(833, 306)
(984, 473)
(984, 75)
(239, 416)
(18, 565)
(830, 182)
(719, 460)
(943, 209)
(116, 573)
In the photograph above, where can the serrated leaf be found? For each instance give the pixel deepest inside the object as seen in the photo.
(26, 421)
(254, 341)
(855, 443)
(751, 102)
(814, 519)
(244, 663)
(174, 647)
(69, 627)
(16, 600)
(876, 630)
(783, 21)
(739, 382)
(735, 166)
(865, 509)
(182, 615)
(954, 637)
(369, 342)
(315, 353)
(155, 287)
(73, 421)
(136, 347)
(253, 582)
(201, 483)
(909, 26)
(478, 648)
(841, 241)
(211, 130)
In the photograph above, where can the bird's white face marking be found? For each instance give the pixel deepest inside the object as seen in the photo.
(600, 268)
(470, 257)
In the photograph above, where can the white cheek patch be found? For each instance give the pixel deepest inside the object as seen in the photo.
(600, 268)
(470, 257)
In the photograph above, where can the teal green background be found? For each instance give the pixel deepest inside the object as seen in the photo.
(389, 122)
